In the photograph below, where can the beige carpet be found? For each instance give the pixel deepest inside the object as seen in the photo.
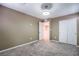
(41, 48)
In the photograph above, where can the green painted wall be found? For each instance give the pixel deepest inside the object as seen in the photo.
(78, 29)
(16, 28)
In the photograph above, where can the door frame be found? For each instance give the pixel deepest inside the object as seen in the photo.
(41, 29)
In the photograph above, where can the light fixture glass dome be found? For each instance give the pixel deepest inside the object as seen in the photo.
(46, 13)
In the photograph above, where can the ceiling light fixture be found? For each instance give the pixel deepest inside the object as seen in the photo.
(46, 13)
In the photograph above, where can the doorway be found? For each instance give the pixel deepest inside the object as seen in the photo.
(44, 31)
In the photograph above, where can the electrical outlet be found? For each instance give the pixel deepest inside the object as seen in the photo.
(55, 37)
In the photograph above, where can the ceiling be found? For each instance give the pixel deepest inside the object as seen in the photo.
(34, 9)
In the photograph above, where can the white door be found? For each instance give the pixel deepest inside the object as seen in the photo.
(72, 31)
(68, 31)
(40, 30)
(63, 31)
(44, 31)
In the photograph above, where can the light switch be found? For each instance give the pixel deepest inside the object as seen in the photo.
(30, 38)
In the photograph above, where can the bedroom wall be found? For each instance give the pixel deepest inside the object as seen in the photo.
(54, 26)
(16, 28)
(78, 29)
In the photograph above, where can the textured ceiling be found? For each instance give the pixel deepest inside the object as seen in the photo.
(34, 9)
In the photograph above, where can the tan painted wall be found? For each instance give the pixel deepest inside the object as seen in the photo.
(78, 29)
(16, 28)
(54, 24)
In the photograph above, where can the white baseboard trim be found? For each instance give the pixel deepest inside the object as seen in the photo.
(77, 46)
(25, 44)
(55, 40)
(17, 46)
(62, 42)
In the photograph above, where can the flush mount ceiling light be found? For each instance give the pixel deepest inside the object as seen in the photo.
(46, 7)
(46, 13)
